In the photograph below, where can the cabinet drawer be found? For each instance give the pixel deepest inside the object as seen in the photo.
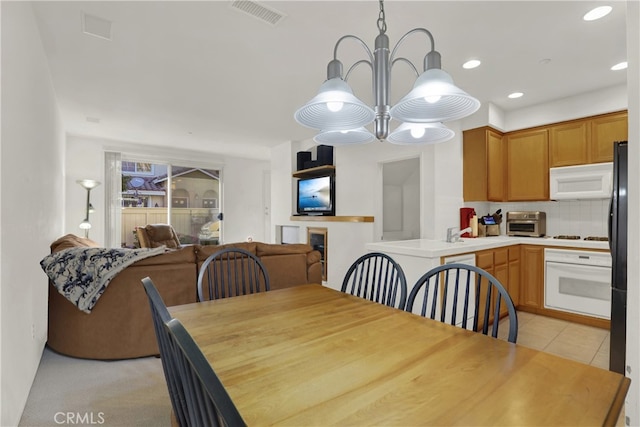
(501, 256)
(484, 260)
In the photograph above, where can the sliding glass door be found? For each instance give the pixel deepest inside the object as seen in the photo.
(186, 197)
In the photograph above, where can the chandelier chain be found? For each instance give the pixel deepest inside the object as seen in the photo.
(382, 23)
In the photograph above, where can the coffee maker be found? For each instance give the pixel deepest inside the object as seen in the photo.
(466, 214)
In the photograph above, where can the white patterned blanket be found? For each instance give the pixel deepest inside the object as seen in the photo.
(82, 274)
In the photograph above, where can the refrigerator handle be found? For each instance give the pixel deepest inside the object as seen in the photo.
(610, 223)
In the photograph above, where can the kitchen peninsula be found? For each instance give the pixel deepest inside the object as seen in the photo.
(517, 262)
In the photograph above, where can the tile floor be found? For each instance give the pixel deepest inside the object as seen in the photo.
(585, 344)
(582, 343)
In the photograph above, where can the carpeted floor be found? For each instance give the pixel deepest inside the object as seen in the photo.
(69, 391)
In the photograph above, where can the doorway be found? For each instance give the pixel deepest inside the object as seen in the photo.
(401, 199)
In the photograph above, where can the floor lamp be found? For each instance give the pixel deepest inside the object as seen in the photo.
(87, 184)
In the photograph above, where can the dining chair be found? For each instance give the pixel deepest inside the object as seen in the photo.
(378, 278)
(161, 316)
(459, 294)
(208, 402)
(231, 272)
(197, 396)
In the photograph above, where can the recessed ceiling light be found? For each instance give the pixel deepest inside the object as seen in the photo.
(93, 119)
(515, 95)
(597, 13)
(620, 66)
(473, 63)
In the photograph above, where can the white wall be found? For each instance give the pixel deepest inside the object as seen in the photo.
(359, 192)
(32, 203)
(600, 101)
(242, 191)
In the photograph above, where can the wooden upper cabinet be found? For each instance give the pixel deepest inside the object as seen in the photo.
(527, 165)
(587, 140)
(495, 166)
(569, 144)
(474, 165)
(483, 165)
(605, 130)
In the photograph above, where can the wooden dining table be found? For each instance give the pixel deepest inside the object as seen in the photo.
(311, 355)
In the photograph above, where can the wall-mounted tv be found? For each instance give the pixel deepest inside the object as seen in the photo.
(316, 196)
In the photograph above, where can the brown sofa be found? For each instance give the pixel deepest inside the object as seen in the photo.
(120, 325)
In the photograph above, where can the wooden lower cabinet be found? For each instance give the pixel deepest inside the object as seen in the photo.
(532, 276)
(498, 263)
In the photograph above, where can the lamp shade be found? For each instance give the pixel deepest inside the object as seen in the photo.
(420, 133)
(88, 183)
(434, 98)
(85, 225)
(340, 137)
(335, 107)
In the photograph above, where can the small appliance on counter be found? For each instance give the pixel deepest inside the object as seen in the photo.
(490, 224)
(466, 221)
(527, 223)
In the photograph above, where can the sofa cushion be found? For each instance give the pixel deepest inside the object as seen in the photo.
(266, 249)
(72, 241)
(286, 270)
(185, 254)
(203, 252)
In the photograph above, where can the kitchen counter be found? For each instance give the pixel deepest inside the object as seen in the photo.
(427, 248)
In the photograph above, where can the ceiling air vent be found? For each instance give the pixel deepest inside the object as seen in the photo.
(257, 10)
(96, 26)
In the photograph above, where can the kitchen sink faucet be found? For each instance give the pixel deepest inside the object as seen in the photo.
(453, 237)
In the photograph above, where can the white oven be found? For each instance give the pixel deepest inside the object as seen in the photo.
(578, 282)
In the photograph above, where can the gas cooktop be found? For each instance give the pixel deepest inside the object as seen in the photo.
(569, 237)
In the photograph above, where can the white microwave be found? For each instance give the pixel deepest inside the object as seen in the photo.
(593, 181)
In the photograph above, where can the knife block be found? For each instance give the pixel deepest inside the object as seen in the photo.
(493, 230)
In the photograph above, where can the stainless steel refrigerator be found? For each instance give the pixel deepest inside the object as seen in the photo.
(618, 245)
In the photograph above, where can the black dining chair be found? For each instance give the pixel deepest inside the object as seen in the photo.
(161, 316)
(231, 272)
(208, 402)
(198, 398)
(460, 294)
(378, 278)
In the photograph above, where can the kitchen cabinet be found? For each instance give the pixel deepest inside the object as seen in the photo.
(605, 130)
(484, 165)
(588, 140)
(497, 262)
(568, 144)
(532, 276)
(527, 165)
(515, 166)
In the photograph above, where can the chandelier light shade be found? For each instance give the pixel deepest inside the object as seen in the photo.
(341, 117)
(335, 107)
(344, 137)
(420, 133)
(434, 98)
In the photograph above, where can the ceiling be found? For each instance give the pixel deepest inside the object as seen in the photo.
(204, 76)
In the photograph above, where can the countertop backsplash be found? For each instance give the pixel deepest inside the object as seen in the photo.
(567, 217)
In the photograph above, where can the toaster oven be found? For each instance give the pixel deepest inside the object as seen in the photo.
(527, 223)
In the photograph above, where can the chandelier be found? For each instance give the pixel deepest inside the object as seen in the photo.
(341, 117)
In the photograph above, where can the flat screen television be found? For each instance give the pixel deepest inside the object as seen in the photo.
(316, 196)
